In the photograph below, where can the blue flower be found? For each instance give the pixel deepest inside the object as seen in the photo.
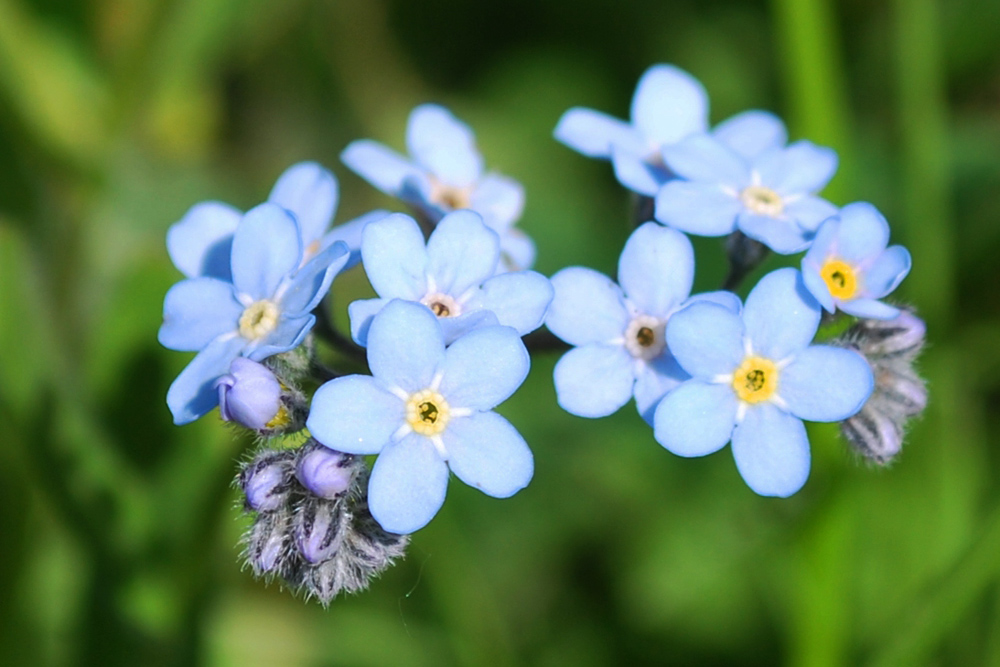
(426, 409)
(263, 311)
(849, 266)
(620, 348)
(200, 243)
(452, 275)
(754, 379)
(745, 180)
(445, 174)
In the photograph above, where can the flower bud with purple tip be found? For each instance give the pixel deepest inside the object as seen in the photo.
(267, 480)
(251, 395)
(325, 472)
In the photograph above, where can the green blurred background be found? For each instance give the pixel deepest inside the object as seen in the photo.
(118, 530)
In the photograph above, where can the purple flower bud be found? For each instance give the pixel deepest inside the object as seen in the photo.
(320, 527)
(902, 336)
(325, 472)
(267, 479)
(874, 434)
(267, 544)
(250, 395)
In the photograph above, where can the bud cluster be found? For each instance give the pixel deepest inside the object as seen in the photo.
(312, 527)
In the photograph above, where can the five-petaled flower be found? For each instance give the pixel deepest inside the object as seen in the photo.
(754, 379)
(427, 408)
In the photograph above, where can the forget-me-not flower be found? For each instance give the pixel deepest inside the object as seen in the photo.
(452, 275)
(849, 266)
(200, 243)
(754, 379)
(443, 174)
(767, 191)
(426, 409)
(265, 310)
(618, 332)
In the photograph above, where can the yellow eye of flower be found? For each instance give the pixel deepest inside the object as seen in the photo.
(840, 278)
(259, 319)
(755, 380)
(427, 412)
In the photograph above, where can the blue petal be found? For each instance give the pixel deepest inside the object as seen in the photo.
(309, 192)
(193, 393)
(814, 282)
(771, 451)
(266, 250)
(706, 339)
(825, 383)
(486, 452)
(408, 485)
(405, 346)
(824, 244)
(517, 250)
(886, 272)
(361, 313)
(869, 308)
(200, 243)
(863, 233)
(656, 269)
(697, 208)
(518, 299)
(594, 133)
(723, 298)
(289, 334)
(355, 414)
(653, 379)
(196, 312)
(696, 418)
(803, 167)
(312, 281)
(594, 380)
(782, 236)
(499, 199)
(456, 327)
(751, 133)
(636, 174)
(443, 145)
(809, 211)
(703, 158)
(781, 316)
(395, 257)
(381, 166)
(669, 104)
(350, 234)
(587, 307)
(483, 368)
(462, 252)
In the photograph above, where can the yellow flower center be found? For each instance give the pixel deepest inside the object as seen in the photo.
(840, 277)
(763, 201)
(442, 305)
(427, 412)
(755, 380)
(280, 420)
(259, 319)
(644, 337)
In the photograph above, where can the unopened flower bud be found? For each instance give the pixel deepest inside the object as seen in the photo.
(325, 472)
(320, 527)
(902, 336)
(268, 543)
(267, 480)
(251, 395)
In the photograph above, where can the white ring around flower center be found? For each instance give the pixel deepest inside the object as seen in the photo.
(644, 337)
(762, 200)
(259, 319)
(442, 305)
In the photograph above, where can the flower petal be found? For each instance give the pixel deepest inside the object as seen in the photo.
(653, 379)
(462, 252)
(814, 282)
(771, 451)
(810, 211)
(443, 145)
(350, 233)
(361, 313)
(395, 257)
(381, 166)
(706, 339)
(486, 452)
(656, 269)
(636, 174)
(669, 104)
(309, 192)
(456, 327)
(288, 335)
(355, 414)
(803, 167)
(703, 158)
(594, 380)
(825, 383)
(519, 299)
(863, 232)
(200, 243)
(697, 208)
(780, 314)
(193, 393)
(723, 298)
(499, 199)
(869, 308)
(196, 312)
(312, 281)
(408, 485)
(587, 307)
(483, 368)
(696, 418)
(886, 272)
(517, 250)
(594, 133)
(266, 250)
(405, 345)
(751, 133)
(783, 236)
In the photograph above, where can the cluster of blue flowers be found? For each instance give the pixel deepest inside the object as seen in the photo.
(443, 339)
